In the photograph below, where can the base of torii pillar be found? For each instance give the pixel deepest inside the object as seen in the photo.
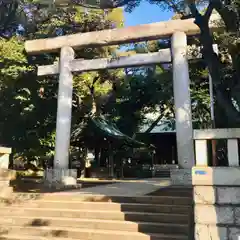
(61, 179)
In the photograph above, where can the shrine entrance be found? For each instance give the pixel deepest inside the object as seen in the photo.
(178, 55)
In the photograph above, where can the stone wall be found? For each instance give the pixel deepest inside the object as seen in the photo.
(181, 177)
(217, 203)
(4, 157)
(5, 174)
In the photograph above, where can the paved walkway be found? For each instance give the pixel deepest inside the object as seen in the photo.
(126, 188)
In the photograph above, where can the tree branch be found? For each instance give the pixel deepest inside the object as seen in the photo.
(209, 11)
(153, 125)
(194, 10)
(95, 80)
(196, 14)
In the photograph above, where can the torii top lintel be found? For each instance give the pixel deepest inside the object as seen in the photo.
(116, 36)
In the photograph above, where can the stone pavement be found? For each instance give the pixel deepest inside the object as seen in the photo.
(124, 188)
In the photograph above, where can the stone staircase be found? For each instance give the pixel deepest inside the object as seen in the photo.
(162, 173)
(163, 215)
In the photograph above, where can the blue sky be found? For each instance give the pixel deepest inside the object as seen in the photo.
(146, 13)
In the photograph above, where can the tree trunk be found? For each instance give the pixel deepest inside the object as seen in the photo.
(97, 157)
(94, 110)
(213, 62)
(110, 162)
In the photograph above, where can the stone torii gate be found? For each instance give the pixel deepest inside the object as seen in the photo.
(177, 29)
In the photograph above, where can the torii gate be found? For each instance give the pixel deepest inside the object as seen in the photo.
(178, 29)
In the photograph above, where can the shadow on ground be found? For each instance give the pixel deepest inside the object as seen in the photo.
(35, 185)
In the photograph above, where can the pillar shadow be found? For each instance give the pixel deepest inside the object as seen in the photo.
(35, 185)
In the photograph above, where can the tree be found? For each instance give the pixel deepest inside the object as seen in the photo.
(227, 101)
(28, 103)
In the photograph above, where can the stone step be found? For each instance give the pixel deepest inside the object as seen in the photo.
(82, 234)
(91, 214)
(96, 224)
(76, 196)
(162, 173)
(132, 207)
(174, 192)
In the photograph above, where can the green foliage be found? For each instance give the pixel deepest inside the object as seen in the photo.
(28, 103)
(224, 69)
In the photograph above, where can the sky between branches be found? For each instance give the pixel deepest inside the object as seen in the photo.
(146, 13)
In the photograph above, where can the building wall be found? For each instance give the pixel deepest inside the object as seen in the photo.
(165, 143)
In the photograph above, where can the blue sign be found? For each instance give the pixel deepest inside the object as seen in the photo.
(200, 172)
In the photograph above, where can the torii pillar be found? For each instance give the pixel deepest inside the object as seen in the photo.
(64, 109)
(182, 101)
(61, 176)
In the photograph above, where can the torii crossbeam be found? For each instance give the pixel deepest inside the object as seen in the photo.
(117, 36)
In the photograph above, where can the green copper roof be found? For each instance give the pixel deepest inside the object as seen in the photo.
(99, 127)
